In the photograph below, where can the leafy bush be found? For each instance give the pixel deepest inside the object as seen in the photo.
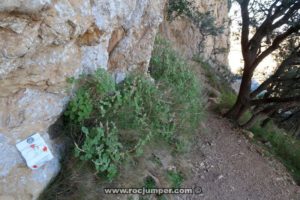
(111, 123)
(134, 111)
(177, 8)
(102, 147)
(134, 105)
(80, 107)
(182, 87)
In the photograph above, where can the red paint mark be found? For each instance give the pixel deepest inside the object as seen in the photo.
(45, 148)
(32, 146)
(34, 166)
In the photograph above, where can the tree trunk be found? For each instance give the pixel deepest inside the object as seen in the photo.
(235, 112)
(243, 100)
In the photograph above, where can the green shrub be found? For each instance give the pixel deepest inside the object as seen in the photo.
(101, 146)
(210, 74)
(182, 87)
(227, 99)
(175, 178)
(80, 107)
(283, 146)
(111, 123)
(149, 183)
(134, 111)
(177, 8)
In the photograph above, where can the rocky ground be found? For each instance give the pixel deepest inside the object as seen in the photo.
(223, 164)
(227, 165)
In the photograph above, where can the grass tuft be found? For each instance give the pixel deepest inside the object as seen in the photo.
(175, 178)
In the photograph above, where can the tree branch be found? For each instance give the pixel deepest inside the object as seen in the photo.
(275, 100)
(245, 27)
(277, 41)
(286, 16)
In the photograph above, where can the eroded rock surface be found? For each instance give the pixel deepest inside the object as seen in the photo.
(186, 37)
(42, 43)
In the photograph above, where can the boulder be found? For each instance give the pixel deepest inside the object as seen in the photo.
(44, 42)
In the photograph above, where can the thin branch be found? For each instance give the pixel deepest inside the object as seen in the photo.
(275, 100)
(277, 41)
(245, 26)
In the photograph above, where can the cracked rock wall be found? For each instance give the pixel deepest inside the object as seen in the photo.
(42, 42)
(186, 37)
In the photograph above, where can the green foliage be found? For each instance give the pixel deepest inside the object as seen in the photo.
(134, 112)
(283, 146)
(144, 108)
(175, 178)
(80, 107)
(111, 123)
(182, 145)
(209, 73)
(177, 8)
(227, 99)
(102, 147)
(149, 183)
(182, 87)
(136, 105)
(205, 22)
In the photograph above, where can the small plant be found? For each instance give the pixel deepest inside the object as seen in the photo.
(175, 178)
(182, 145)
(177, 8)
(80, 107)
(182, 87)
(102, 147)
(149, 183)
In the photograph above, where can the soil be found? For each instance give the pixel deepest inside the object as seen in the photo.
(231, 167)
(228, 165)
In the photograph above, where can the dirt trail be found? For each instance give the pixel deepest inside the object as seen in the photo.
(222, 163)
(226, 165)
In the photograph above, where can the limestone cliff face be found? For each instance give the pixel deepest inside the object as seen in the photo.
(186, 37)
(42, 42)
